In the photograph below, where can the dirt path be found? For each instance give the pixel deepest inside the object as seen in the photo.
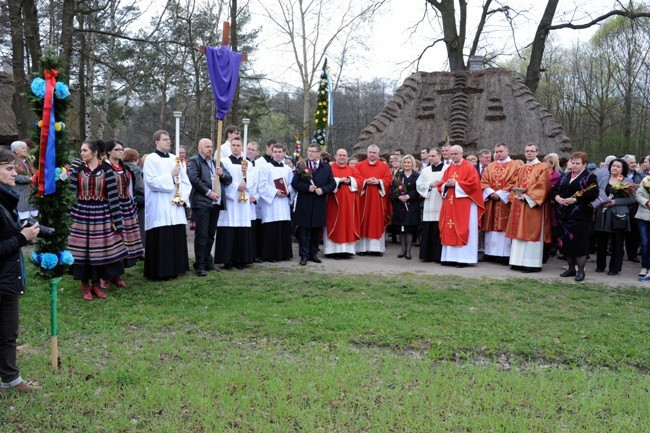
(389, 264)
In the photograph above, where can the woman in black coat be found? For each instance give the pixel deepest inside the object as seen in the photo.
(406, 204)
(573, 193)
(620, 191)
(12, 274)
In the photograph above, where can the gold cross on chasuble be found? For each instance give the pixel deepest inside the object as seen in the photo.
(450, 223)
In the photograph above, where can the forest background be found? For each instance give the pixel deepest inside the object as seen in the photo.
(131, 63)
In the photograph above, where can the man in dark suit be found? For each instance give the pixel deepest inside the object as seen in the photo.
(484, 158)
(313, 180)
(206, 204)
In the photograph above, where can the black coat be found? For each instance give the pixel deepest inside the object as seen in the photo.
(11, 240)
(402, 216)
(311, 207)
(198, 172)
(581, 210)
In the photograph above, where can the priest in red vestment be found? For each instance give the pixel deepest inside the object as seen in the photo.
(462, 208)
(497, 181)
(375, 203)
(343, 219)
(529, 225)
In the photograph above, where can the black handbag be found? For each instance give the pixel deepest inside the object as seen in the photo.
(620, 221)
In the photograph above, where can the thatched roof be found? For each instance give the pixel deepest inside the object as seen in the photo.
(8, 130)
(478, 109)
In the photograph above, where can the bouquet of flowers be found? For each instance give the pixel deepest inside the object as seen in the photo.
(582, 191)
(624, 189)
(305, 172)
(402, 188)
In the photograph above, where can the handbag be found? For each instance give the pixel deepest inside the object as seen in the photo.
(601, 200)
(620, 221)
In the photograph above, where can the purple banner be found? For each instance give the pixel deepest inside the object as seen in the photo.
(223, 67)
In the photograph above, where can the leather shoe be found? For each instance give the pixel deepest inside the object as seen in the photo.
(408, 257)
(634, 259)
(104, 284)
(22, 387)
(227, 266)
(85, 291)
(568, 273)
(612, 273)
(118, 282)
(95, 289)
(201, 273)
(303, 261)
(401, 255)
(258, 260)
(599, 270)
(580, 276)
(240, 266)
(315, 259)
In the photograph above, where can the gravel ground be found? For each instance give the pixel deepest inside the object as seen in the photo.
(389, 264)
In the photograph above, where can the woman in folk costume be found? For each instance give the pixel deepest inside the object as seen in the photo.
(95, 239)
(125, 179)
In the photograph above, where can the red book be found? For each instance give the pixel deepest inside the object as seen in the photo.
(281, 185)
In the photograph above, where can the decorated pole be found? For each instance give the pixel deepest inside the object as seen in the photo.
(50, 192)
(245, 121)
(324, 114)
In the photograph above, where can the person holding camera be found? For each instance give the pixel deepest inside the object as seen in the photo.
(12, 274)
(95, 239)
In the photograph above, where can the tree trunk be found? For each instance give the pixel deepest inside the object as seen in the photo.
(454, 37)
(539, 43)
(108, 80)
(32, 35)
(19, 104)
(66, 36)
(82, 80)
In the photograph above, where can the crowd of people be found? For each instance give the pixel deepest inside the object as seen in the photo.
(245, 208)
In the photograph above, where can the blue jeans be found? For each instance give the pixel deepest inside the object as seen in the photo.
(644, 239)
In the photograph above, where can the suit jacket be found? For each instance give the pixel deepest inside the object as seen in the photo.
(200, 176)
(311, 208)
(581, 210)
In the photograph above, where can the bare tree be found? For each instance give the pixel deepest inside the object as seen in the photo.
(310, 28)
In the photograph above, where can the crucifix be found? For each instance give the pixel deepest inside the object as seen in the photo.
(223, 67)
(458, 108)
(450, 223)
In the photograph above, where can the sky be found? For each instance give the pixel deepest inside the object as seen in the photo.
(392, 44)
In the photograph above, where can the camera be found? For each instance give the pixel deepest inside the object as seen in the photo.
(45, 231)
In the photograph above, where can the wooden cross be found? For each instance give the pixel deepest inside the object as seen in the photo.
(460, 94)
(225, 41)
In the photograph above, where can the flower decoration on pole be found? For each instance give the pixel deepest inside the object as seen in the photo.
(50, 194)
(324, 115)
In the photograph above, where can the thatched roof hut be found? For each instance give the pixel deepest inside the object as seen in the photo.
(477, 109)
(8, 130)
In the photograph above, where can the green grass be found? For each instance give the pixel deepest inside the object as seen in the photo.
(269, 350)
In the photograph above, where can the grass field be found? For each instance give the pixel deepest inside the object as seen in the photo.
(270, 350)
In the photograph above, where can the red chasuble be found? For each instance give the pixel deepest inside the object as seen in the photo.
(343, 218)
(525, 223)
(375, 209)
(454, 213)
(499, 177)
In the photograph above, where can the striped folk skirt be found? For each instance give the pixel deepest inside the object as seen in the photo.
(93, 238)
(131, 233)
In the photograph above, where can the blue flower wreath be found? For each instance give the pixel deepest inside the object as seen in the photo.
(66, 258)
(61, 91)
(49, 261)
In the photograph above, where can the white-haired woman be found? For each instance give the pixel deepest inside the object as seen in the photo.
(25, 170)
